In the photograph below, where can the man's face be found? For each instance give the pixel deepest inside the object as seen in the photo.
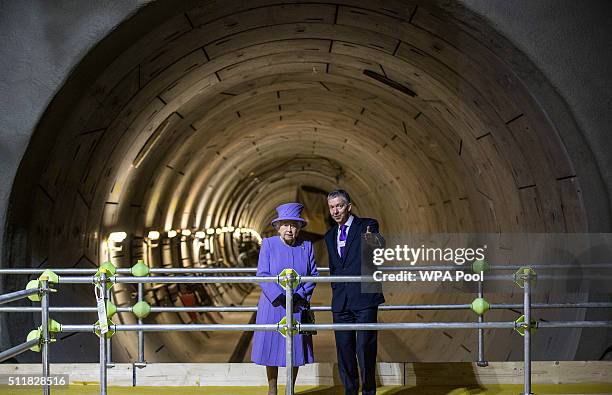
(339, 209)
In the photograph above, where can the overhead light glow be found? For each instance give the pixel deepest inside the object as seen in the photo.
(117, 237)
(153, 235)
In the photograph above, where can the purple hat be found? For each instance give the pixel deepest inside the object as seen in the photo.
(290, 212)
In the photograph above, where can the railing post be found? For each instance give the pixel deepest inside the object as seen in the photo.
(109, 344)
(44, 304)
(527, 337)
(482, 362)
(141, 348)
(140, 362)
(289, 337)
(103, 376)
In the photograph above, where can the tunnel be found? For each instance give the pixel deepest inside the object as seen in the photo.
(196, 119)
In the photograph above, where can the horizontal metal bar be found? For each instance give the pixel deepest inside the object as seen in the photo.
(58, 309)
(175, 270)
(194, 279)
(18, 349)
(409, 325)
(274, 327)
(76, 280)
(582, 305)
(210, 279)
(210, 270)
(205, 309)
(154, 270)
(239, 309)
(17, 295)
(574, 324)
(335, 279)
(339, 327)
(175, 327)
(453, 325)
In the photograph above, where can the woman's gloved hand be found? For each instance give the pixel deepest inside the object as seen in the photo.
(298, 302)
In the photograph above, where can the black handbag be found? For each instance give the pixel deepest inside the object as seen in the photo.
(307, 317)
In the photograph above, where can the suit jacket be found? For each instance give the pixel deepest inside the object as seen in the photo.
(349, 296)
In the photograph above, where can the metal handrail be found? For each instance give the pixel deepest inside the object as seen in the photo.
(17, 295)
(18, 349)
(334, 327)
(250, 309)
(208, 270)
(526, 326)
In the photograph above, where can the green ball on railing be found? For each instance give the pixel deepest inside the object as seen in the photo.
(108, 334)
(480, 265)
(34, 284)
(140, 269)
(54, 326)
(480, 306)
(110, 269)
(283, 281)
(283, 331)
(111, 309)
(141, 309)
(50, 276)
(520, 325)
(35, 334)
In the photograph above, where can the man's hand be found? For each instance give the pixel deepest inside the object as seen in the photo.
(370, 238)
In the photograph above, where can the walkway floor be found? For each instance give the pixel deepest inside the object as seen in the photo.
(321, 390)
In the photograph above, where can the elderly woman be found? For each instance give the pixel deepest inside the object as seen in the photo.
(277, 253)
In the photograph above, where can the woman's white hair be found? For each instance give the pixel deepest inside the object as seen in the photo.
(277, 224)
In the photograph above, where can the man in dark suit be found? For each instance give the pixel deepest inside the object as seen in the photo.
(349, 303)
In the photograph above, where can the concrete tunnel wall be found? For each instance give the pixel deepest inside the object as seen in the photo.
(503, 120)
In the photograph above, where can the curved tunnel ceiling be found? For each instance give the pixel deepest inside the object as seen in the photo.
(213, 98)
(218, 115)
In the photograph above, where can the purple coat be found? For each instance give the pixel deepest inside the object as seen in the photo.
(274, 256)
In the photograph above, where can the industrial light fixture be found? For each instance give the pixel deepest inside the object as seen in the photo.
(171, 233)
(210, 231)
(153, 235)
(389, 82)
(117, 237)
(186, 232)
(200, 234)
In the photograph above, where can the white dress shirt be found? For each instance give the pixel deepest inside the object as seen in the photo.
(348, 223)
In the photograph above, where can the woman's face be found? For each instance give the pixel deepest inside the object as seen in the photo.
(288, 230)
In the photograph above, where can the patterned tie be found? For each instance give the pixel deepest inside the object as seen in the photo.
(342, 238)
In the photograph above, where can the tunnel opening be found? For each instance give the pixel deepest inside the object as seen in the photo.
(209, 119)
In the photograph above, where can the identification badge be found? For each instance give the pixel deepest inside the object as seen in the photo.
(101, 310)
